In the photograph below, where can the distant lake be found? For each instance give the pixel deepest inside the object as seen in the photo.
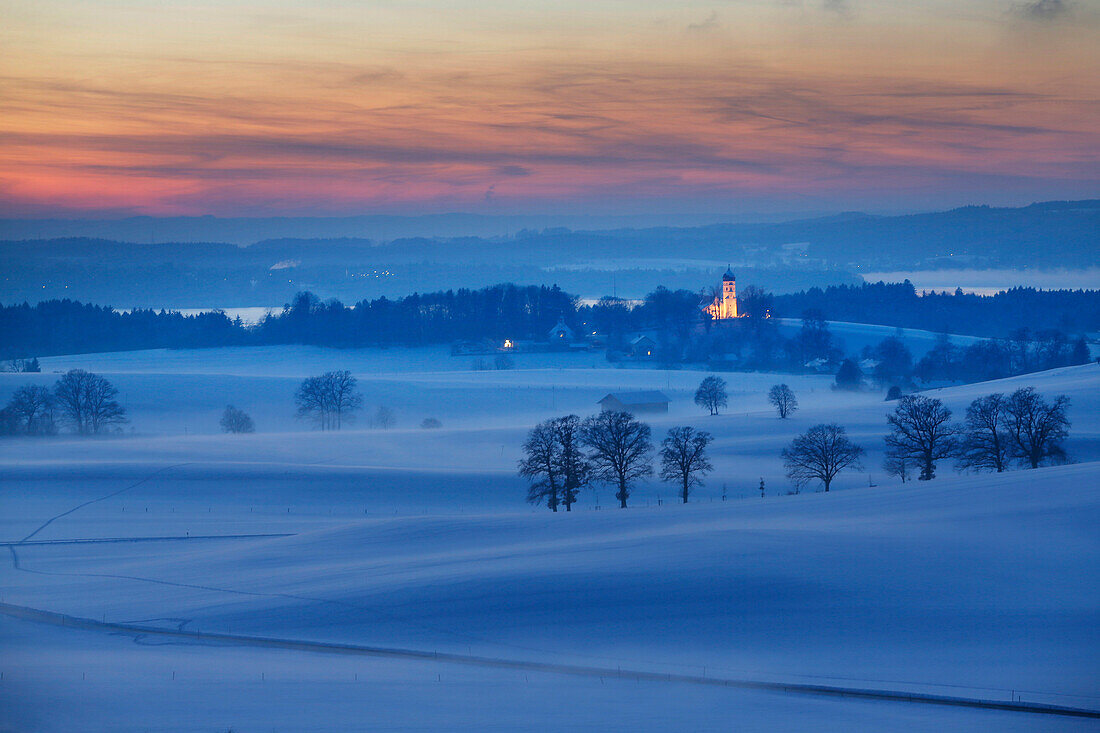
(988, 282)
(249, 314)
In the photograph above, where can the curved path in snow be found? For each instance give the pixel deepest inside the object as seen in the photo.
(139, 631)
(317, 647)
(157, 538)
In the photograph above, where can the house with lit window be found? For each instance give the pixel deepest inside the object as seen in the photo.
(561, 333)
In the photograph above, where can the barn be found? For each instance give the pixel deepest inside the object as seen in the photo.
(635, 402)
(643, 347)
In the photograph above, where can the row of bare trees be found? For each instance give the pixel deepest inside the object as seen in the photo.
(712, 395)
(998, 431)
(563, 455)
(84, 401)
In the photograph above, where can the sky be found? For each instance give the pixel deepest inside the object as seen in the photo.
(235, 108)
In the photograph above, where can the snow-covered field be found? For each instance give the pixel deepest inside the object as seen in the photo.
(969, 586)
(853, 337)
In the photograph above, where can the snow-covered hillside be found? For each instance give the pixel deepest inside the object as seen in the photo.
(855, 336)
(970, 586)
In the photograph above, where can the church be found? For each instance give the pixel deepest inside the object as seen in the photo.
(725, 305)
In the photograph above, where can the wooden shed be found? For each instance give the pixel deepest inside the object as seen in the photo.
(648, 401)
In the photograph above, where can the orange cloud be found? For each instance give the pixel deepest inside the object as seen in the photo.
(345, 109)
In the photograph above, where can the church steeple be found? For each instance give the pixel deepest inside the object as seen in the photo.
(729, 295)
(725, 305)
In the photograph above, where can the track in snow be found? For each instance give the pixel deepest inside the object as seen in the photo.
(58, 619)
(164, 538)
(113, 494)
(317, 647)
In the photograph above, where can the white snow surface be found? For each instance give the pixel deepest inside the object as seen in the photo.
(854, 336)
(980, 586)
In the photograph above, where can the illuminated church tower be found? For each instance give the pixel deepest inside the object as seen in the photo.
(724, 306)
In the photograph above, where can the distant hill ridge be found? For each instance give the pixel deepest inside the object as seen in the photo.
(351, 257)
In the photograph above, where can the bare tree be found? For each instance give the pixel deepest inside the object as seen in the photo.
(573, 466)
(32, 410)
(985, 443)
(897, 463)
(1037, 429)
(712, 394)
(431, 423)
(87, 401)
(540, 465)
(384, 418)
(684, 458)
(329, 400)
(343, 397)
(919, 430)
(820, 454)
(784, 400)
(620, 449)
(9, 423)
(21, 365)
(311, 399)
(236, 421)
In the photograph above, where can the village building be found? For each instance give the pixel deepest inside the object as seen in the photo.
(724, 306)
(560, 333)
(643, 347)
(647, 401)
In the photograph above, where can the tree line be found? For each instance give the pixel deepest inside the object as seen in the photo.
(528, 312)
(999, 431)
(500, 311)
(86, 403)
(563, 455)
(756, 343)
(993, 316)
(1022, 352)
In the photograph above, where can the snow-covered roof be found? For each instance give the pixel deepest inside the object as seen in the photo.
(643, 397)
(561, 328)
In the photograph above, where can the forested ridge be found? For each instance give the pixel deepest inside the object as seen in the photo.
(523, 312)
(992, 316)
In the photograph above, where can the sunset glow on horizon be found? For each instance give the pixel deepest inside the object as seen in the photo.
(246, 108)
